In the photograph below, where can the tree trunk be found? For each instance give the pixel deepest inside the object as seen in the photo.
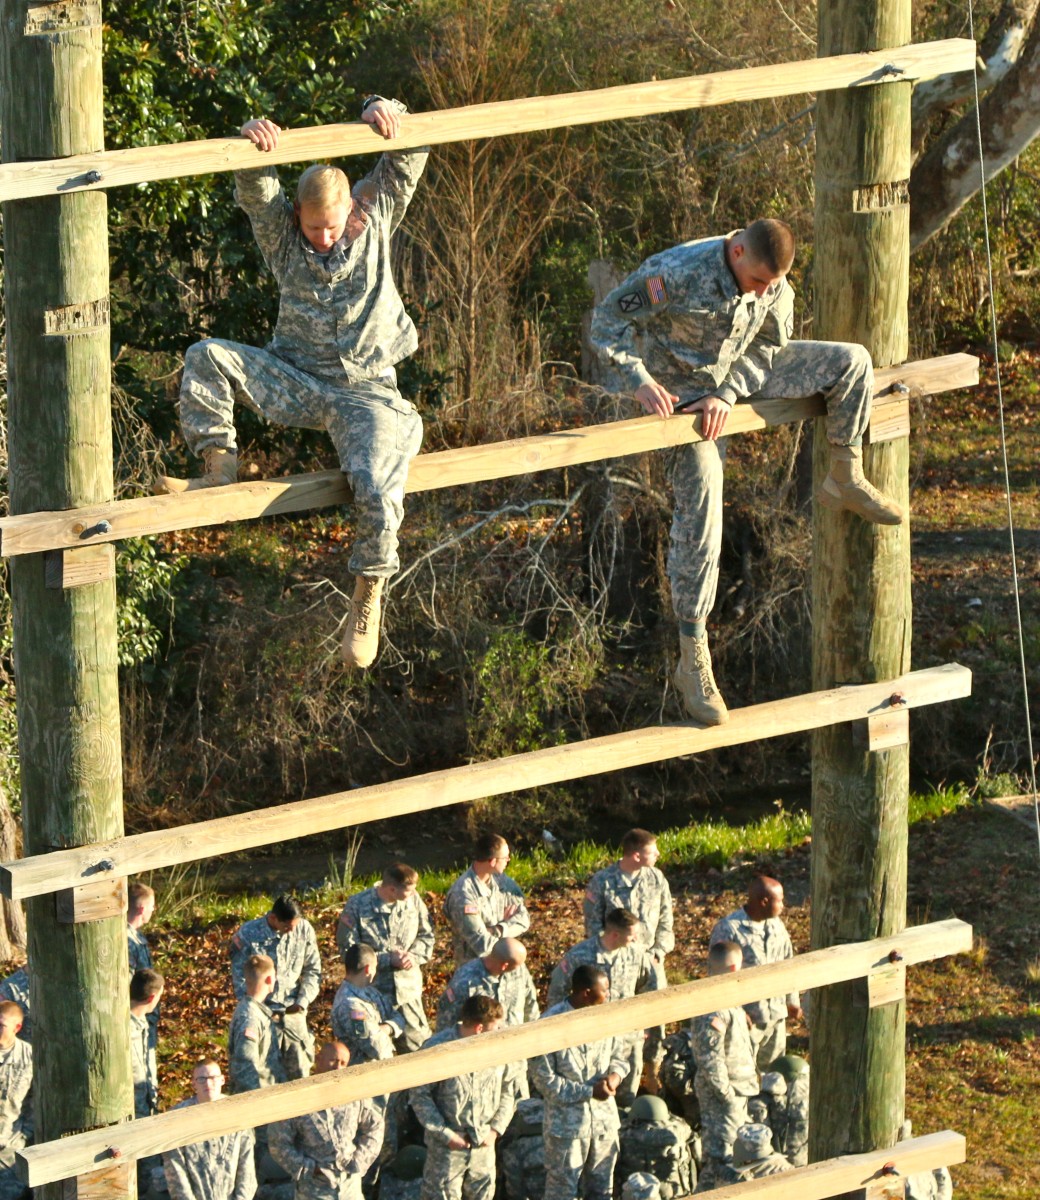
(948, 175)
(12, 921)
(60, 445)
(861, 589)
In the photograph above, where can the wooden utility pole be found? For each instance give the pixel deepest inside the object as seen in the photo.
(861, 588)
(60, 451)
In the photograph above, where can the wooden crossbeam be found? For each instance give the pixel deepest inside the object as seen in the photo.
(31, 533)
(62, 869)
(144, 164)
(84, 1152)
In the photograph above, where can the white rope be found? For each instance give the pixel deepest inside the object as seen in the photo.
(1003, 442)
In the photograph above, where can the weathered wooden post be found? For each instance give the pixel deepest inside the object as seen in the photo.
(861, 588)
(60, 448)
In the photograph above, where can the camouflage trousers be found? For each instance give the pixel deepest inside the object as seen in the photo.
(720, 1120)
(769, 1042)
(581, 1164)
(328, 1184)
(376, 431)
(842, 371)
(458, 1174)
(295, 1044)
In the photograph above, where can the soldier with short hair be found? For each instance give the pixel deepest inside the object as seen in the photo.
(393, 919)
(502, 974)
(327, 1153)
(330, 364)
(146, 988)
(287, 938)
(217, 1168)
(623, 956)
(16, 1101)
(16, 988)
(579, 1085)
(763, 938)
(484, 905)
(466, 1114)
(253, 1052)
(362, 1016)
(726, 1074)
(698, 328)
(140, 908)
(636, 883)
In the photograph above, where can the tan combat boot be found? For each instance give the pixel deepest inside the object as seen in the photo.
(846, 487)
(696, 684)
(361, 638)
(221, 469)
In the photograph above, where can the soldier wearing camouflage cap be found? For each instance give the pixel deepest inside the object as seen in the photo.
(726, 1076)
(696, 329)
(341, 329)
(753, 1156)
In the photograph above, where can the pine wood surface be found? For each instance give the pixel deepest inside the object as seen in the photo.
(420, 793)
(92, 1150)
(147, 515)
(119, 168)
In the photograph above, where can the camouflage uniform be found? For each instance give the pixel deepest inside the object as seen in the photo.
(326, 1153)
(681, 321)
(298, 966)
(16, 987)
(476, 910)
(667, 1149)
(144, 1068)
(647, 894)
(16, 1114)
(253, 1054)
(753, 1157)
(219, 1168)
(330, 363)
(473, 1104)
(514, 990)
(581, 1134)
(357, 1016)
(139, 956)
(930, 1185)
(630, 972)
(404, 925)
(761, 942)
(786, 1112)
(522, 1152)
(725, 1079)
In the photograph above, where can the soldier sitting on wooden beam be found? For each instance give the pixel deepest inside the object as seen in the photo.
(341, 329)
(696, 329)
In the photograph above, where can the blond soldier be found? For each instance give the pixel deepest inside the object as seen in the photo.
(341, 329)
(253, 1051)
(16, 1105)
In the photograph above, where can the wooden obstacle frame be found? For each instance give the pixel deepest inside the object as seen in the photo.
(89, 881)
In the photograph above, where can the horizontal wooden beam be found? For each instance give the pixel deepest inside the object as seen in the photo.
(61, 869)
(32, 533)
(80, 1153)
(144, 164)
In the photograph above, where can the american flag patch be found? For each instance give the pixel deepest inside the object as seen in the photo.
(655, 289)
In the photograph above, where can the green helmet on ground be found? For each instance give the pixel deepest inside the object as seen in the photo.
(409, 1162)
(649, 1108)
(790, 1066)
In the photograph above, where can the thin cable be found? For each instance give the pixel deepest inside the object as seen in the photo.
(1003, 440)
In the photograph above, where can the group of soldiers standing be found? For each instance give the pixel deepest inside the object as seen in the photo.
(721, 1099)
